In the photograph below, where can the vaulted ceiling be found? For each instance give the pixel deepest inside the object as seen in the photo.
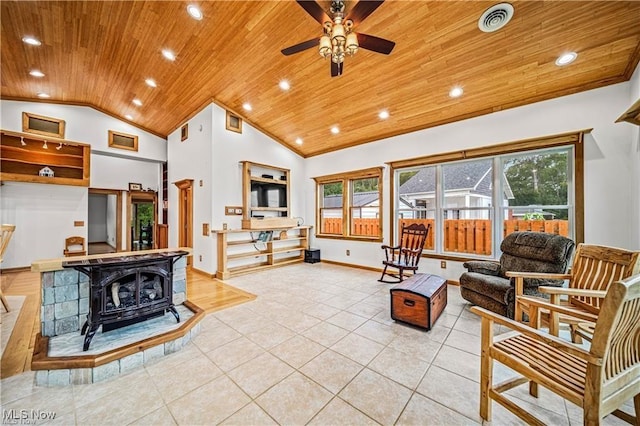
(99, 53)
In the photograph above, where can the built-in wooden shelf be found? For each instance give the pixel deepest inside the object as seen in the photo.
(235, 250)
(70, 161)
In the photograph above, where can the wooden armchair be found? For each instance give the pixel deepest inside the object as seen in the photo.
(74, 246)
(406, 255)
(594, 269)
(6, 232)
(599, 380)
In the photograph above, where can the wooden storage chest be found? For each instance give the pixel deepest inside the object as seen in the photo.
(419, 300)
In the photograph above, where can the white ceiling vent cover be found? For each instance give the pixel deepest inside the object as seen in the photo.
(495, 17)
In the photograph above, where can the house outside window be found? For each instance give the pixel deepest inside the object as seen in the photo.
(349, 205)
(472, 204)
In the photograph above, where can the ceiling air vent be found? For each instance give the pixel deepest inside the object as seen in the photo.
(495, 17)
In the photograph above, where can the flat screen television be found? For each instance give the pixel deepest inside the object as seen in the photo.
(264, 194)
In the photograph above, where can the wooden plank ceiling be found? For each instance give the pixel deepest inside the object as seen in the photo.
(99, 53)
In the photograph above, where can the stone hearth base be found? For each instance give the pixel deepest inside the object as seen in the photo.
(58, 365)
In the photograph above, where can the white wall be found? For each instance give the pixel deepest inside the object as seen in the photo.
(111, 168)
(610, 214)
(634, 96)
(44, 216)
(192, 159)
(97, 218)
(86, 125)
(213, 154)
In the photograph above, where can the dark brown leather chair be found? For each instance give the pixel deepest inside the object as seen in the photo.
(486, 284)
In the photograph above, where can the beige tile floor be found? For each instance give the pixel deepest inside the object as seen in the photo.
(316, 347)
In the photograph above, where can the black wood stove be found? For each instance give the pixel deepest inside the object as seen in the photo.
(125, 290)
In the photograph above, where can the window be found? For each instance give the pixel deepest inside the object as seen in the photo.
(349, 205)
(123, 141)
(475, 198)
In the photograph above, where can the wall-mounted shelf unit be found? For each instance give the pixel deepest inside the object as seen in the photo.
(240, 252)
(266, 198)
(23, 156)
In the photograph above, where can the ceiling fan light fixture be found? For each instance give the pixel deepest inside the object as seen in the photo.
(338, 32)
(325, 46)
(352, 43)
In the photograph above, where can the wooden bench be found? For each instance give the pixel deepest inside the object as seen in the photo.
(419, 300)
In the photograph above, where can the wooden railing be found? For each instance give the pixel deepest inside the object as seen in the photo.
(460, 235)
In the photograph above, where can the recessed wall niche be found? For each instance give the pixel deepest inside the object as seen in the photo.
(123, 141)
(41, 125)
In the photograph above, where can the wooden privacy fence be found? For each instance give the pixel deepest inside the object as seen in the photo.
(460, 235)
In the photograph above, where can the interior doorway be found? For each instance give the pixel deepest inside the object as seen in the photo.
(185, 214)
(104, 229)
(142, 217)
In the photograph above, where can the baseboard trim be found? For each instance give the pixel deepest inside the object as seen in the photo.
(351, 265)
(372, 268)
(199, 272)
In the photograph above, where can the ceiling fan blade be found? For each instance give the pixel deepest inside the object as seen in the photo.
(300, 46)
(362, 9)
(336, 69)
(375, 44)
(314, 9)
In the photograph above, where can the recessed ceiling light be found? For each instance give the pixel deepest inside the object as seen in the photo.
(151, 82)
(284, 85)
(137, 102)
(456, 92)
(335, 130)
(128, 117)
(247, 106)
(31, 40)
(566, 58)
(383, 115)
(168, 54)
(299, 141)
(43, 95)
(195, 12)
(36, 73)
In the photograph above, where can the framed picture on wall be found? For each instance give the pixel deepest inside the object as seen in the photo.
(135, 186)
(234, 123)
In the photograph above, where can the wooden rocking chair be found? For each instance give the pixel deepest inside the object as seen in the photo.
(406, 255)
(6, 232)
(599, 380)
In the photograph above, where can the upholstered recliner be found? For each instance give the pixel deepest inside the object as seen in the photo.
(486, 284)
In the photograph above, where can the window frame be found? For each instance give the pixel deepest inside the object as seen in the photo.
(574, 139)
(346, 179)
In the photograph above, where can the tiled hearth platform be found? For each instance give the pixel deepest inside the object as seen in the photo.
(58, 357)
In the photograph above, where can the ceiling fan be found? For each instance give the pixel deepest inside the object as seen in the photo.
(339, 39)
